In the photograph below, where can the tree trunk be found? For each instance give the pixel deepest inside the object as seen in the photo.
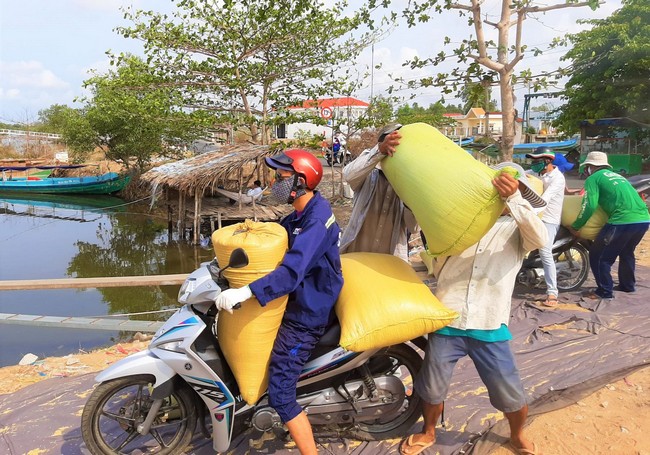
(508, 117)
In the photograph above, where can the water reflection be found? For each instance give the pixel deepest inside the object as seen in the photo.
(88, 237)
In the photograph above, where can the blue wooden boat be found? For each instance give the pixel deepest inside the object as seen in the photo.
(520, 150)
(108, 183)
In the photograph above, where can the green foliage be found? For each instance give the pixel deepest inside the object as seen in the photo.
(303, 139)
(477, 95)
(131, 117)
(54, 118)
(431, 115)
(246, 61)
(610, 74)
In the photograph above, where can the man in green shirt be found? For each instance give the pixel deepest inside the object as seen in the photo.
(627, 224)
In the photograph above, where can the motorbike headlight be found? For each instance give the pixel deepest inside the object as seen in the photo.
(173, 346)
(186, 289)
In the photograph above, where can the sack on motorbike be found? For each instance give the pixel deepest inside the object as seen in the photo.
(247, 336)
(570, 211)
(383, 302)
(450, 193)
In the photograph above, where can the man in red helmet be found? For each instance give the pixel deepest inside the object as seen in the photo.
(310, 274)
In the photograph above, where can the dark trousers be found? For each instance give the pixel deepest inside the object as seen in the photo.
(615, 241)
(291, 350)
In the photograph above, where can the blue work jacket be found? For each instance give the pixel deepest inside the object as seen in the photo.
(310, 272)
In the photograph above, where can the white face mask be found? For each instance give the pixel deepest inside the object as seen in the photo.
(588, 171)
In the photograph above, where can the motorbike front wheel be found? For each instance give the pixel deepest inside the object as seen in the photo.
(115, 409)
(572, 268)
(404, 362)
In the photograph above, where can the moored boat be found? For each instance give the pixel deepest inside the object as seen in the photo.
(108, 183)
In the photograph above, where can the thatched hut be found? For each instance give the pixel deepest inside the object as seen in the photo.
(201, 178)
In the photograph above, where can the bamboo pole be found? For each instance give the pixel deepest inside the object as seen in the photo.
(95, 282)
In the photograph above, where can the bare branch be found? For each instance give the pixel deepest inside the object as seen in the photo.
(539, 9)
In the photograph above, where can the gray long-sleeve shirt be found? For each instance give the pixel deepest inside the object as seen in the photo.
(379, 222)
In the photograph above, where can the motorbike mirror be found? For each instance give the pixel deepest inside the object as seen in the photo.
(238, 258)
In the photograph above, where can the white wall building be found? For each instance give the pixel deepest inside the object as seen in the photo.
(335, 111)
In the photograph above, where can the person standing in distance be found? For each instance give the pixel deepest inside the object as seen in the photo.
(627, 224)
(553, 194)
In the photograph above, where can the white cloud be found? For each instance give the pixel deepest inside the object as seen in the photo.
(29, 74)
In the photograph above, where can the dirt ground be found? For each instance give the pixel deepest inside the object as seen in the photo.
(613, 420)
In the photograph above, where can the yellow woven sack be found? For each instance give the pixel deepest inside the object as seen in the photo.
(383, 302)
(535, 183)
(246, 336)
(570, 211)
(450, 193)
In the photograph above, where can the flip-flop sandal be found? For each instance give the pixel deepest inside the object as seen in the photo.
(522, 451)
(413, 448)
(551, 301)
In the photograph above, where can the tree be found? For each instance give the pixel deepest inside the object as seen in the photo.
(416, 113)
(610, 72)
(477, 95)
(53, 119)
(248, 60)
(478, 53)
(128, 124)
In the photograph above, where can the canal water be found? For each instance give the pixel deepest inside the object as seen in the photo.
(66, 237)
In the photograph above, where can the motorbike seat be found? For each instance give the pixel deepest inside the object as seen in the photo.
(328, 341)
(332, 335)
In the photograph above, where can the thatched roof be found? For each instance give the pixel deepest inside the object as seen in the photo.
(231, 167)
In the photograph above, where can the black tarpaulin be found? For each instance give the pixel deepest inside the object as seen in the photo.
(563, 354)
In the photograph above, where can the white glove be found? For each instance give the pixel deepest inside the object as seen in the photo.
(231, 297)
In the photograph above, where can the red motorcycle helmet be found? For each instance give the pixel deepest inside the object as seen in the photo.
(301, 162)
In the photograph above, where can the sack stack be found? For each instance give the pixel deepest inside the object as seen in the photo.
(246, 337)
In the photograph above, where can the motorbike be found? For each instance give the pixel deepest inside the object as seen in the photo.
(342, 157)
(151, 401)
(571, 256)
(641, 184)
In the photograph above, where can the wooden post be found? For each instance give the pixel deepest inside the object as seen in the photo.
(241, 172)
(197, 217)
(219, 220)
(170, 221)
(181, 215)
(211, 224)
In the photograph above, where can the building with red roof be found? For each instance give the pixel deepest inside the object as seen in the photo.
(333, 111)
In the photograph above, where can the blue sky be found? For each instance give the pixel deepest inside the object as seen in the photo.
(47, 48)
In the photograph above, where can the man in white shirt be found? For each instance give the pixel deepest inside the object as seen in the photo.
(478, 284)
(256, 190)
(554, 186)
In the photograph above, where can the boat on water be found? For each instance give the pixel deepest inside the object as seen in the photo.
(462, 142)
(559, 146)
(108, 183)
(63, 201)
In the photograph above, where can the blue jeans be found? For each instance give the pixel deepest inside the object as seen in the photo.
(546, 255)
(615, 241)
(493, 361)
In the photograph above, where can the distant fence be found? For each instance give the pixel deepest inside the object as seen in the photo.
(30, 134)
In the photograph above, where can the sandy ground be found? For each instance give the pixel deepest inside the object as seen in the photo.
(614, 420)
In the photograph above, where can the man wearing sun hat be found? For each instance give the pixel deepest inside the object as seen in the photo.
(553, 194)
(627, 224)
(478, 284)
